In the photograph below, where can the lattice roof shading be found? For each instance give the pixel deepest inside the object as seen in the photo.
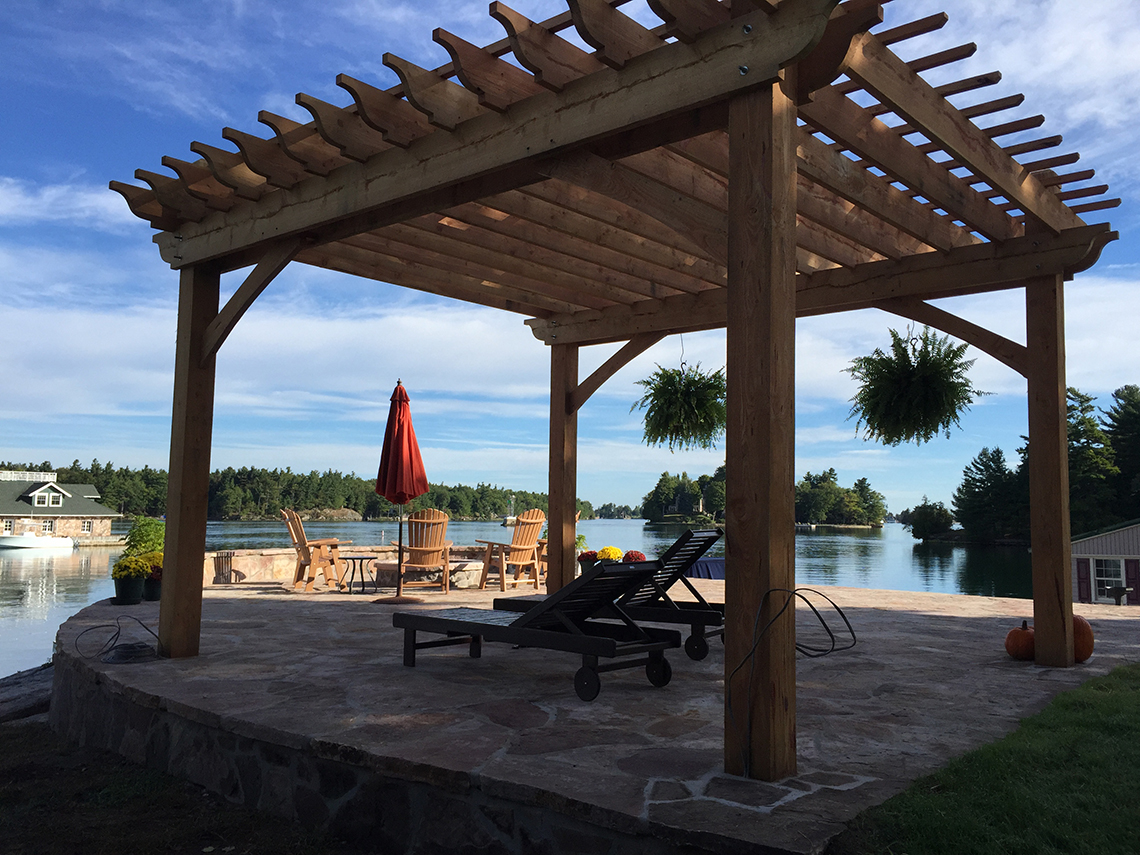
(616, 194)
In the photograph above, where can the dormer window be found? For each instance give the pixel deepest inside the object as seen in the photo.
(41, 500)
(56, 500)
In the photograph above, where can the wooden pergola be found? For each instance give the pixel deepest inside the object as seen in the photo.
(741, 165)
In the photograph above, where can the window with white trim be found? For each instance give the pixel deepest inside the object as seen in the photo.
(47, 526)
(7, 525)
(1107, 573)
(56, 500)
(86, 527)
(41, 500)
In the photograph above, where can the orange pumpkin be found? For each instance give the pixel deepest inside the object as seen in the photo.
(1019, 642)
(1082, 639)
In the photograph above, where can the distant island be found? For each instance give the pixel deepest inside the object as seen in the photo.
(260, 494)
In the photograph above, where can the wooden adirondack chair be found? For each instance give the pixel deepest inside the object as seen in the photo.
(313, 555)
(426, 548)
(521, 553)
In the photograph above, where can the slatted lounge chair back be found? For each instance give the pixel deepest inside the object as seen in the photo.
(573, 603)
(673, 565)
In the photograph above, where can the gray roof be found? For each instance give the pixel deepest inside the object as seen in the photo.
(1107, 530)
(79, 500)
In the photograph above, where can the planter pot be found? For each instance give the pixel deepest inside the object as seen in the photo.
(128, 591)
(152, 589)
(586, 564)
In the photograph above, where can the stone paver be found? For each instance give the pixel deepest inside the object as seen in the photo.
(928, 680)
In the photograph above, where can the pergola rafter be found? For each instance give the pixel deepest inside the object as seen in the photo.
(737, 166)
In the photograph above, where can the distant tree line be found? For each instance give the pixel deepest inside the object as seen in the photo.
(992, 502)
(819, 499)
(610, 511)
(250, 493)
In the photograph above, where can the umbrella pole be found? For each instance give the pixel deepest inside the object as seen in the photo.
(399, 597)
(400, 557)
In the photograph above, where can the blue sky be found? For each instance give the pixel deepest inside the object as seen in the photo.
(90, 91)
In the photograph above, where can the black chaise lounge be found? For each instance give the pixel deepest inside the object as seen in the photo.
(561, 621)
(650, 601)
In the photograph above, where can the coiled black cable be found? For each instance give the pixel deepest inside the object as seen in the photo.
(758, 633)
(112, 652)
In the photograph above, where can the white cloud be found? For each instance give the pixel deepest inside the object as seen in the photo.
(113, 363)
(24, 203)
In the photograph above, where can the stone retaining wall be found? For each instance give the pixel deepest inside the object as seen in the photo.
(279, 565)
(386, 805)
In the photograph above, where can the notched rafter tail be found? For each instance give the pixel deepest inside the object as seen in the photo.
(230, 169)
(266, 158)
(343, 128)
(445, 103)
(399, 122)
(200, 182)
(554, 62)
(496, 82)
(616, 37)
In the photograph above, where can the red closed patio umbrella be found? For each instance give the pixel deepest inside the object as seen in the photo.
(401, 477)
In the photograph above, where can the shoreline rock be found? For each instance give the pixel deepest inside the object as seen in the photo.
(26, 693)
(330, 515)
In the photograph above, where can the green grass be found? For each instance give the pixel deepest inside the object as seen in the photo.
(1067, 781)
(56, 798)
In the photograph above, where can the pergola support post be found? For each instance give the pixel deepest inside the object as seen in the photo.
(760, 684)
(187, 496)
(560, 557)
(1049, 473)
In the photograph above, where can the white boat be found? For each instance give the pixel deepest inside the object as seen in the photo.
(34, 540)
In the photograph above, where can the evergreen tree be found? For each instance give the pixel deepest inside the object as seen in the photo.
(987, 501)
(1092, 472)
(1122, 426)
(873, 502)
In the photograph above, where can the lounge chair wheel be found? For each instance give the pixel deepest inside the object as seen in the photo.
(587, 683)
(659, 672)
(697, 647)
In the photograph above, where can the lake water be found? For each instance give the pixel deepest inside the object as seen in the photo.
(39, 592)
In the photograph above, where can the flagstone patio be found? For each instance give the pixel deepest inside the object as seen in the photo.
(300, 705)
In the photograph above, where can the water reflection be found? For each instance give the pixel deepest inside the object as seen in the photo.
(38, 591)
(996, 572)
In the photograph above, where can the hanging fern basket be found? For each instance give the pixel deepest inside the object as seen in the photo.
(684, 407)
(915, 392)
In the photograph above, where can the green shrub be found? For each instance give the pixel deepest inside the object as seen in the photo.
(928, 519)
(146, 535)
